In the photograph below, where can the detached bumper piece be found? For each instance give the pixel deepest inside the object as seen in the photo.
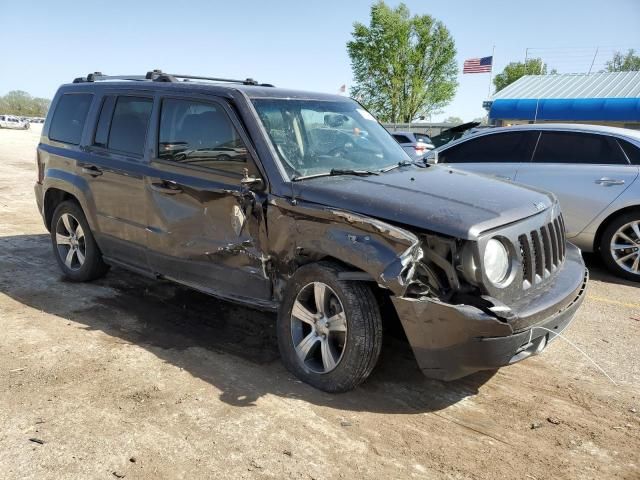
(452, 341)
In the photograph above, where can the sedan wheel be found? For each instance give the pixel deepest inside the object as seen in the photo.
(70, 242)
(620, 246)
(625, 247)
(318, 327)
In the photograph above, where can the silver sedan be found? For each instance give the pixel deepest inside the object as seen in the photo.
(593, 170)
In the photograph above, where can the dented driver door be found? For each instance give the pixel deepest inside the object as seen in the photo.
(203, 225)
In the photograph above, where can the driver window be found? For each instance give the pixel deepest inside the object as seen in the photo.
(200, 134)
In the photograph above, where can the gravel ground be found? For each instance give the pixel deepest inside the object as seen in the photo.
(125, 377)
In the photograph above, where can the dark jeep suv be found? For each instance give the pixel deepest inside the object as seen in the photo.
(302, 203)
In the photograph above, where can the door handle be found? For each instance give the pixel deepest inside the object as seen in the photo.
(503, 177)
(607, 182)
(166, 187)
(92, 170)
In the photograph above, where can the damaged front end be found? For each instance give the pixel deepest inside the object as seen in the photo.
(455, 323)
(456, 328)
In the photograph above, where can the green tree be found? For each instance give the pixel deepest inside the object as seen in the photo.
(21, 103)
(403, 66)
(621, 62)
(515, 70)
(454, 120)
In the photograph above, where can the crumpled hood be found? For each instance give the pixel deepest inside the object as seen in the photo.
(438, 198)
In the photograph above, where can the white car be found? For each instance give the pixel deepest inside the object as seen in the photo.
(9, 121)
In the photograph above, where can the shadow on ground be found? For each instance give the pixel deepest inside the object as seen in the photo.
(599, 271)
(167, 319)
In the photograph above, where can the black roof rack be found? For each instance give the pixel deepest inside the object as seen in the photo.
(160, 76)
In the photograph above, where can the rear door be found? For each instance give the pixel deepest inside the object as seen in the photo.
(586, 171)
(499, 154)
(205, 229)
(114, 172)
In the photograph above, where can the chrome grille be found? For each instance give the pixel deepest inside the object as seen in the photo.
(542, 251)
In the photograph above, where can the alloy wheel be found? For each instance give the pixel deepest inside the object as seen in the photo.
(625, 247)
(318, 327)
(70, 242)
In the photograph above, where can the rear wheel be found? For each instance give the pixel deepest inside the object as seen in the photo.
(74, 247)
(329, 330)
(620, 246)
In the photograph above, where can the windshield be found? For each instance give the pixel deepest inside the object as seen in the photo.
(314, 137)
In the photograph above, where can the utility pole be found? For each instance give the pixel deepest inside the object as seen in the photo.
(493, 63)
(594, 59)
(526, 57)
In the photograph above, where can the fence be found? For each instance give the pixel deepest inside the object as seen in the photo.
(430, 129)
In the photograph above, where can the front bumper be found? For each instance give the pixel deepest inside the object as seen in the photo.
(452, 341)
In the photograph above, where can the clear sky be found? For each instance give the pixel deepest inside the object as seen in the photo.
(297, 44)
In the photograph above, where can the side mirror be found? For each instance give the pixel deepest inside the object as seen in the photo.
(431, 158)
(251, 183)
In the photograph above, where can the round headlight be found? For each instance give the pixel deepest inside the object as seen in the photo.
(496, 261)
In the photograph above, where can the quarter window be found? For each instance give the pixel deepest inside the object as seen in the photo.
(573, 147)
(200, 134)
(633, 152)
(69, 118)
(129, 125)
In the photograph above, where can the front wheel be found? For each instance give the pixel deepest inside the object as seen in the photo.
(620, 246)
(329, 330)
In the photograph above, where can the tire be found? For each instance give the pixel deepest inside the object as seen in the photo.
(69, 230)
(354, 353)
(623, 230)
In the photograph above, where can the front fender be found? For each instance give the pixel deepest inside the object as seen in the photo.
(383, 251)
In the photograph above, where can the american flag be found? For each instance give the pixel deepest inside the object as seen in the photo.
(477, 65)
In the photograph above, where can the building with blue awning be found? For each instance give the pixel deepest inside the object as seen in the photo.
(599, 98)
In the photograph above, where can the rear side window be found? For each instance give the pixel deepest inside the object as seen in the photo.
(69, 118)
(401, 138)
(633, 152)
(508, 147)
(129, 125)
(102, 130)
(200, 134)
(572, 147)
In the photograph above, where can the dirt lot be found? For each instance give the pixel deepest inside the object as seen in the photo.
(126, 377)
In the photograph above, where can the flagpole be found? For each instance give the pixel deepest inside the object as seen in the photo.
(493, 52)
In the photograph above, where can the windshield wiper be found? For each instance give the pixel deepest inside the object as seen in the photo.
(335, 172)
(402, 163)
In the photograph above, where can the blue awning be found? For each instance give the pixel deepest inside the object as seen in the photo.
(576, 109)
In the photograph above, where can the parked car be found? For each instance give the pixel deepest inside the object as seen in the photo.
(415, 144)
(324, 220)
(592, 169)
(10, 121)
(453, 133)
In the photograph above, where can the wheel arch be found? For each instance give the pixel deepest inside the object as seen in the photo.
(52, 198)
(62, 185)
(612, 217)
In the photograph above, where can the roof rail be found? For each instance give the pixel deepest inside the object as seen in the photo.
(99, 76)
(160, 76)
